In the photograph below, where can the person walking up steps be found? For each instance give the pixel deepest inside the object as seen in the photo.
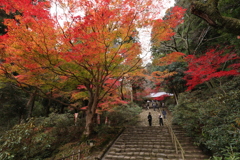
(147, 105)
(160, 120)
(164, 113)
(154, 105)
(150, 119)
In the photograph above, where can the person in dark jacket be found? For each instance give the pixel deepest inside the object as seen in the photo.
(164, 113)
(150, 119)
(154, 105)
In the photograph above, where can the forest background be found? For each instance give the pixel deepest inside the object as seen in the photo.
(197, 60)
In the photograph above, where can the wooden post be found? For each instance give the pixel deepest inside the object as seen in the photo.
(75, 118)
(106, 120)
(73, 155)
(98, 119)
(79, 154)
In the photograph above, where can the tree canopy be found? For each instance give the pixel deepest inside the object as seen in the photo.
(92, 44)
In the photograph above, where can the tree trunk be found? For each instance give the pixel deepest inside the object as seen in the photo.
(131, 92)
(121, 89)
(62, 108)
(176, 99)
(31, 103)
(47, 108)
(91, 109)
(89, 123)
(134, 93)
(175, 93)
(210, 13)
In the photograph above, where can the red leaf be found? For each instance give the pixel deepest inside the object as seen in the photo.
(208, 66)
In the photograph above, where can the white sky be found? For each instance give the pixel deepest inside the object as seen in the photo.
(145, 34)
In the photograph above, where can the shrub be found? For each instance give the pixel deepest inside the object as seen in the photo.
(124, 115)
(212, 118)
(38, 138)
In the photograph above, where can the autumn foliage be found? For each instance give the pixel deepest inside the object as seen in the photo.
(169, 59)
(85, 43)
(163, 30)
(214, 64)
(160, 76)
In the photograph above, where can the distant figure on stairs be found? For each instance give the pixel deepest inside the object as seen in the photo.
(164, 113)
(160, 120)
(150, 119)
(154, 105)
(148, 103)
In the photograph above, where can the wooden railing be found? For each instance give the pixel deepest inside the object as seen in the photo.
(175, 141)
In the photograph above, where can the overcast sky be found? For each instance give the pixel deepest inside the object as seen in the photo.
(145, 34)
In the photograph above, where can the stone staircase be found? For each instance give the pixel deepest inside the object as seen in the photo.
(192, 152)
(151, 143)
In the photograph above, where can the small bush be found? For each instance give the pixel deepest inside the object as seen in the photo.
(38, 138)
(124, 115)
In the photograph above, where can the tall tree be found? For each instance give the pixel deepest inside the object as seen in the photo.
(167, 65)
(91, 44)
(169, 73)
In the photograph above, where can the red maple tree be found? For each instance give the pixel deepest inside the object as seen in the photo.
(94, 49)
(213, 64)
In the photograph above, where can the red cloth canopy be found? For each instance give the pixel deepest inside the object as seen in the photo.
(160, 98)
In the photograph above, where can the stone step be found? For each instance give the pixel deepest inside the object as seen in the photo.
(151, 143)
(140, 143)
(143, 147)
(141, 155)
(147, 137)
(145, 150)
(150, 156)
